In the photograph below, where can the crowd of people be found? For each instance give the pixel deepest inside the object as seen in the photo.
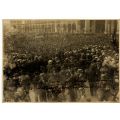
(82, 74)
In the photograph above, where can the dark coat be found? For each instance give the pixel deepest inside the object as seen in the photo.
(92, 72)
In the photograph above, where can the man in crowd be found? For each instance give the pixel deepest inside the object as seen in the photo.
(53, 77)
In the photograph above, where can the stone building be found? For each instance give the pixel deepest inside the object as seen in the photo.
(65, 26)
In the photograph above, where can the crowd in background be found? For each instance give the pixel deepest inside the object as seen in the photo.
(83, 73)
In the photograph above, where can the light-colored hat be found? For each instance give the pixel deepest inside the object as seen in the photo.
(50, 61)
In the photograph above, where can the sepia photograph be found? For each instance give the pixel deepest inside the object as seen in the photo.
(60, 60)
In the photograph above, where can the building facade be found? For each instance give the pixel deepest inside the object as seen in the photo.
(65, 26)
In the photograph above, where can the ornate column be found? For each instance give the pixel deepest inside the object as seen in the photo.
(79, 26)
(87, 26)
(66, 27)
(71, 28)
(105, 27)
(55, 27)
(109, 26)
(61, 27)
(76, 23)
(93, 26)
(43, 28)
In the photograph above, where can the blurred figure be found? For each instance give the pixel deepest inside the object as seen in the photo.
(92, 77)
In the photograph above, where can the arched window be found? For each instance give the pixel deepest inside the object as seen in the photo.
(58, 27)
(69, 27)
(73, 27)
(64, 27)
(42, 28)
(82, 26)
(100, 26)
(53, 30)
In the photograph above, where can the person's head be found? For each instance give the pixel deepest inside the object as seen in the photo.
(41, 75)
(94, 61)
(50, 62)
(79, 71)
(103, 76)
(31, 86)
(116, 78)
